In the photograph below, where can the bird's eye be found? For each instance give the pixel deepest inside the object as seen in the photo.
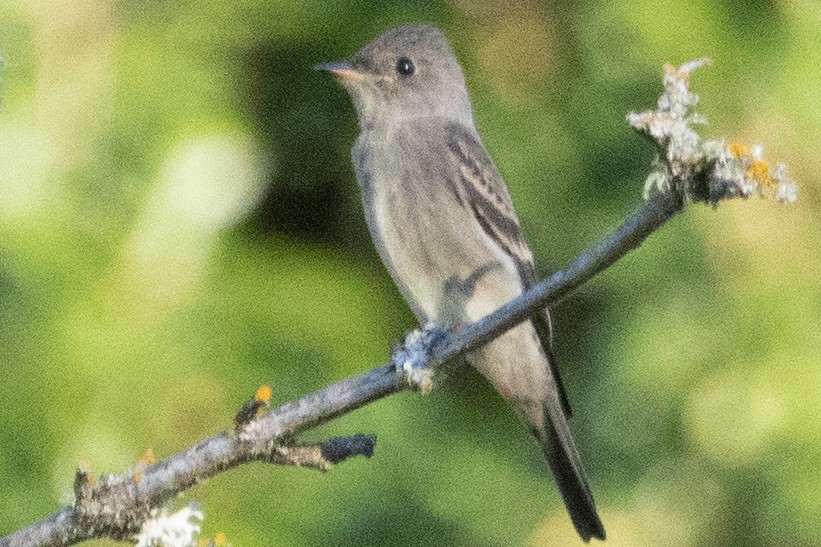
(404, 66)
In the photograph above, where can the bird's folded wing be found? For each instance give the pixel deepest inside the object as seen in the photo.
(484, 192)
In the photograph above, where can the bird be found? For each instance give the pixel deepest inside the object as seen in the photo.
(443, 223)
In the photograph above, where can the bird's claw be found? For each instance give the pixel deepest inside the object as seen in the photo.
(412, 358)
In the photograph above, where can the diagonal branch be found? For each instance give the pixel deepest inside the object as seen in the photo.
(116, 505)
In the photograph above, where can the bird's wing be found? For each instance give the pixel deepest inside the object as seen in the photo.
(484, 192)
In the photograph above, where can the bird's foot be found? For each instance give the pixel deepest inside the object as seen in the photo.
(412, 358)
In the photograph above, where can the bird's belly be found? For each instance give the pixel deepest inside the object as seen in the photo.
(448, 269)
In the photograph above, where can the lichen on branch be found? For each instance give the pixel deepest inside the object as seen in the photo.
(706, 170)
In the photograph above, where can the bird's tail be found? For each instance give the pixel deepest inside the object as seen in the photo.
(560, 450)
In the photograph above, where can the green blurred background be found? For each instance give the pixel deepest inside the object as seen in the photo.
(179, 223)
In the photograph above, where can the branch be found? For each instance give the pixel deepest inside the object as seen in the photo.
(117, 505)
(688, 169)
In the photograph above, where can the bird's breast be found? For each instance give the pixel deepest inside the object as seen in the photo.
(445, 265)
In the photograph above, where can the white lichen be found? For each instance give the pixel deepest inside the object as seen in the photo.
(411, 358)
(170, 529)
(703, 169)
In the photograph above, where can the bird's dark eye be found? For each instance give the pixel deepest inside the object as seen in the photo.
(404, 66)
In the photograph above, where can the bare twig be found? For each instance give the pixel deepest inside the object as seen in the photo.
(688, 168)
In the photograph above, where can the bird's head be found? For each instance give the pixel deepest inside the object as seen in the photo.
(404, 73)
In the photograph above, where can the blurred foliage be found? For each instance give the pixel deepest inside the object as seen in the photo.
(179, 223)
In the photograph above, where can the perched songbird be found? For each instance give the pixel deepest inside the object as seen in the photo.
(442, 220)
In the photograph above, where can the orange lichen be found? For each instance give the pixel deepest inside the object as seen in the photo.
(263, 394)
(219, 541)
(137, 475)
(739, 149)
(148, 458)
(673, 72)
(759, 171)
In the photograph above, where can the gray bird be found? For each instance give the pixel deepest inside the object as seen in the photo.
(442, 220)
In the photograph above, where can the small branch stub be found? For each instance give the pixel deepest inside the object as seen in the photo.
(339, 449)
(253, 407)
(322, 456)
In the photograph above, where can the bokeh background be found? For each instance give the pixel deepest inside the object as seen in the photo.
(179, 223)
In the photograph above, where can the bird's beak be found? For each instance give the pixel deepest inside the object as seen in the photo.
(342, 71)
